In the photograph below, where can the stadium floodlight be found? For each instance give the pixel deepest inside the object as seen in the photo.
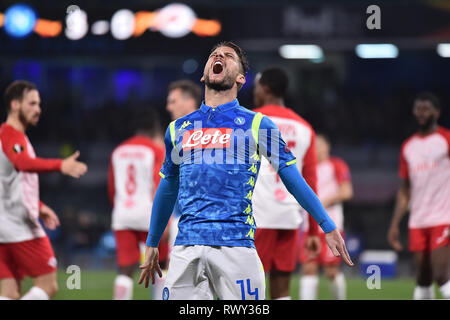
(175, 20)
(122, 24)
(100, 27)
(301, 51)
(376, 51)
(20, 20)
(443, 49)
(76, 24)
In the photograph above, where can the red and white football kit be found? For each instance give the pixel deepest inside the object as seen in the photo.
(25, 250)
(425, 161)
(133, 178)
(277, 214)
(331, 173)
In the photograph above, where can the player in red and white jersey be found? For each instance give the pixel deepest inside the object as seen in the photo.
(425, 189)
(133, 177)
(277, 213)
(334, 186)
(25, 249)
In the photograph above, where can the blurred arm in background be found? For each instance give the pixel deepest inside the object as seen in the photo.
(400, 209)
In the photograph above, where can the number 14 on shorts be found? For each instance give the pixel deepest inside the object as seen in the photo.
(246, 283)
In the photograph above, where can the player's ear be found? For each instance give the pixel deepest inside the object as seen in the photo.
(241, 79)
(266, 89)
(15, 104)
(202, 79)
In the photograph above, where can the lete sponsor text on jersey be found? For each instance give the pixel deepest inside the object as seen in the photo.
(207, 138)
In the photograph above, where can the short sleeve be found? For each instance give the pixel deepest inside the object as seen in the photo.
(170, 166)
(272, 146)
(341, 171)
(403, 165)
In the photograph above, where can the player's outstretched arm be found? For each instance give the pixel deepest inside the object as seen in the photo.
(165, 198)
(400, 209)
(298, 187)
(72, 167)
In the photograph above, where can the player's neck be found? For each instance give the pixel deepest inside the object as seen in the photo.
(428, 130)
(215, 98)
(273, 101)
(16, 123)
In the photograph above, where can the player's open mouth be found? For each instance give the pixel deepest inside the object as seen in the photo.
(217, 67)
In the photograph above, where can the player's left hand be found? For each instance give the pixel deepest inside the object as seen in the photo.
(150, 265)
(337, 246)
(49, 217)
(312, 247)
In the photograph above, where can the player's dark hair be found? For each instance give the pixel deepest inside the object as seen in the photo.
(240, 53)
(428, 96)
(147, 119)
(16, 91)
(188, 87)
(276, 79)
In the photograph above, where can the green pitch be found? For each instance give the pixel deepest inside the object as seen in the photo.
(98, 285)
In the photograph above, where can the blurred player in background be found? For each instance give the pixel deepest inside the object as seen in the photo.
(277, 213)
(334, 186)
(214, 252)
(25, 249)
(183, 98)
(132, 181)
(425, 190)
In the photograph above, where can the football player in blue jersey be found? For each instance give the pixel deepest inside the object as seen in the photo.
(211, 166)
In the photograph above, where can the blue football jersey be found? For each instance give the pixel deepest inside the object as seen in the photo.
(216, 154)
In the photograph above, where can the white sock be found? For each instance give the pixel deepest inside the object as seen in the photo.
(445, 290)
(308, 287)
(421, 293)
(4, 298)
(123, 288)
(339, 287)
(158, 287)
(284, 298)
(35, 293)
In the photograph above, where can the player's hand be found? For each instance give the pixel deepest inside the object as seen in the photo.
(49, 217)
(337, 246)
(312, 247)
(393, 236)
(150, 265)
(72, 167)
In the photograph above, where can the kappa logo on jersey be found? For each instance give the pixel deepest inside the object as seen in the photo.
(185, 124)
(207, 138)
(17, 148)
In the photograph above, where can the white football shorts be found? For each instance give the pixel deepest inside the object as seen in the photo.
(204, 272)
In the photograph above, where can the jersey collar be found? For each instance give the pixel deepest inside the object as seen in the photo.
(223, 107)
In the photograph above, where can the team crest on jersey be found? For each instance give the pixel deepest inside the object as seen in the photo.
(239, 121)
(17, 148)
(165, 293)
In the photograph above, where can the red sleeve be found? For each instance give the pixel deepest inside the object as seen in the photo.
(15, 147)
(309, 172)
(159, 158)
(341, 170)
(446, 134)
(111, 184)
(403, 165)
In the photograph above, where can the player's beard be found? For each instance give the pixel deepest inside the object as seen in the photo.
(427, 125)
(226, 84)
(23, 119)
